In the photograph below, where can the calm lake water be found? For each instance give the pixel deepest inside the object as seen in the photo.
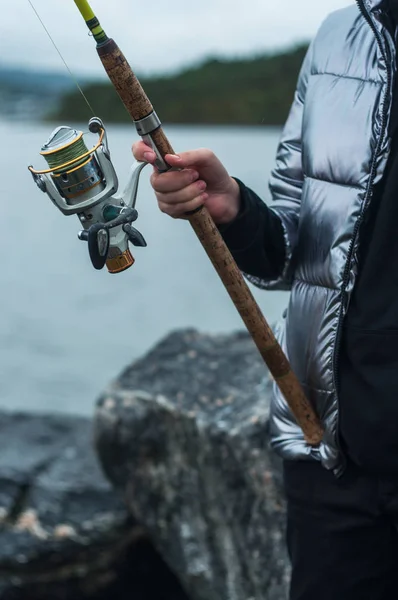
(66, 330)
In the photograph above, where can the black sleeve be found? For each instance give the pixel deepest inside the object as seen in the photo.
(256, 238)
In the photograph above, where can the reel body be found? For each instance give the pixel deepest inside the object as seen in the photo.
(83, 182)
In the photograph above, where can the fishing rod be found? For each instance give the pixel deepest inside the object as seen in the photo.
(84, 182)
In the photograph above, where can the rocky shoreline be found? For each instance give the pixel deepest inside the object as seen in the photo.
(64, 532)
(194, 508)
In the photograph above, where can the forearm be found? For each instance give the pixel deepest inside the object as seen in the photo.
(256, 237)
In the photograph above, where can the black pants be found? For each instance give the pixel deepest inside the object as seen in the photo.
(342, 534)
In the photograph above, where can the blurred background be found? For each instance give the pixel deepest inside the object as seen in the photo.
(221, 74)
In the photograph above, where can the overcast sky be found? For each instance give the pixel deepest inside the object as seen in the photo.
(159, 35)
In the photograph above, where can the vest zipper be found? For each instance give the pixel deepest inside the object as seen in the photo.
(373, 172)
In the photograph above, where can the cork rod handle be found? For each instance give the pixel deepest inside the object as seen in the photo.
(139, 107)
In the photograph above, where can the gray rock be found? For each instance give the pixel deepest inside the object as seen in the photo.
(184, 433)
(64, 532)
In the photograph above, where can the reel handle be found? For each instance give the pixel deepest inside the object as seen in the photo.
(98, 239)
(98, 235)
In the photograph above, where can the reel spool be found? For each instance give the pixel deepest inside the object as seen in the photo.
(84, 182)
(66, 145)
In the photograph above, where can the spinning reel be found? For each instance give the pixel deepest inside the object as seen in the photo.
(83, 182)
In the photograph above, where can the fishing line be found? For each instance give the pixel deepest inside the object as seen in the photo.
(67, 153)
(72, 76)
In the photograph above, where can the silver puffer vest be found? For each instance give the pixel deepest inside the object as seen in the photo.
(334, 149)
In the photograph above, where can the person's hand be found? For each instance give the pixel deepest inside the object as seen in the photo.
(200, 180)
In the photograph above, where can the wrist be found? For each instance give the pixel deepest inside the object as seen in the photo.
(233, 205)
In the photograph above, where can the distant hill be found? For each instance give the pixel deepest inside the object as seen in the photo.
(26, 93)
(19, 79)
(220, 91)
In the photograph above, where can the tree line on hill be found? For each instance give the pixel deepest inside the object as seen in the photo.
(255, 91)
